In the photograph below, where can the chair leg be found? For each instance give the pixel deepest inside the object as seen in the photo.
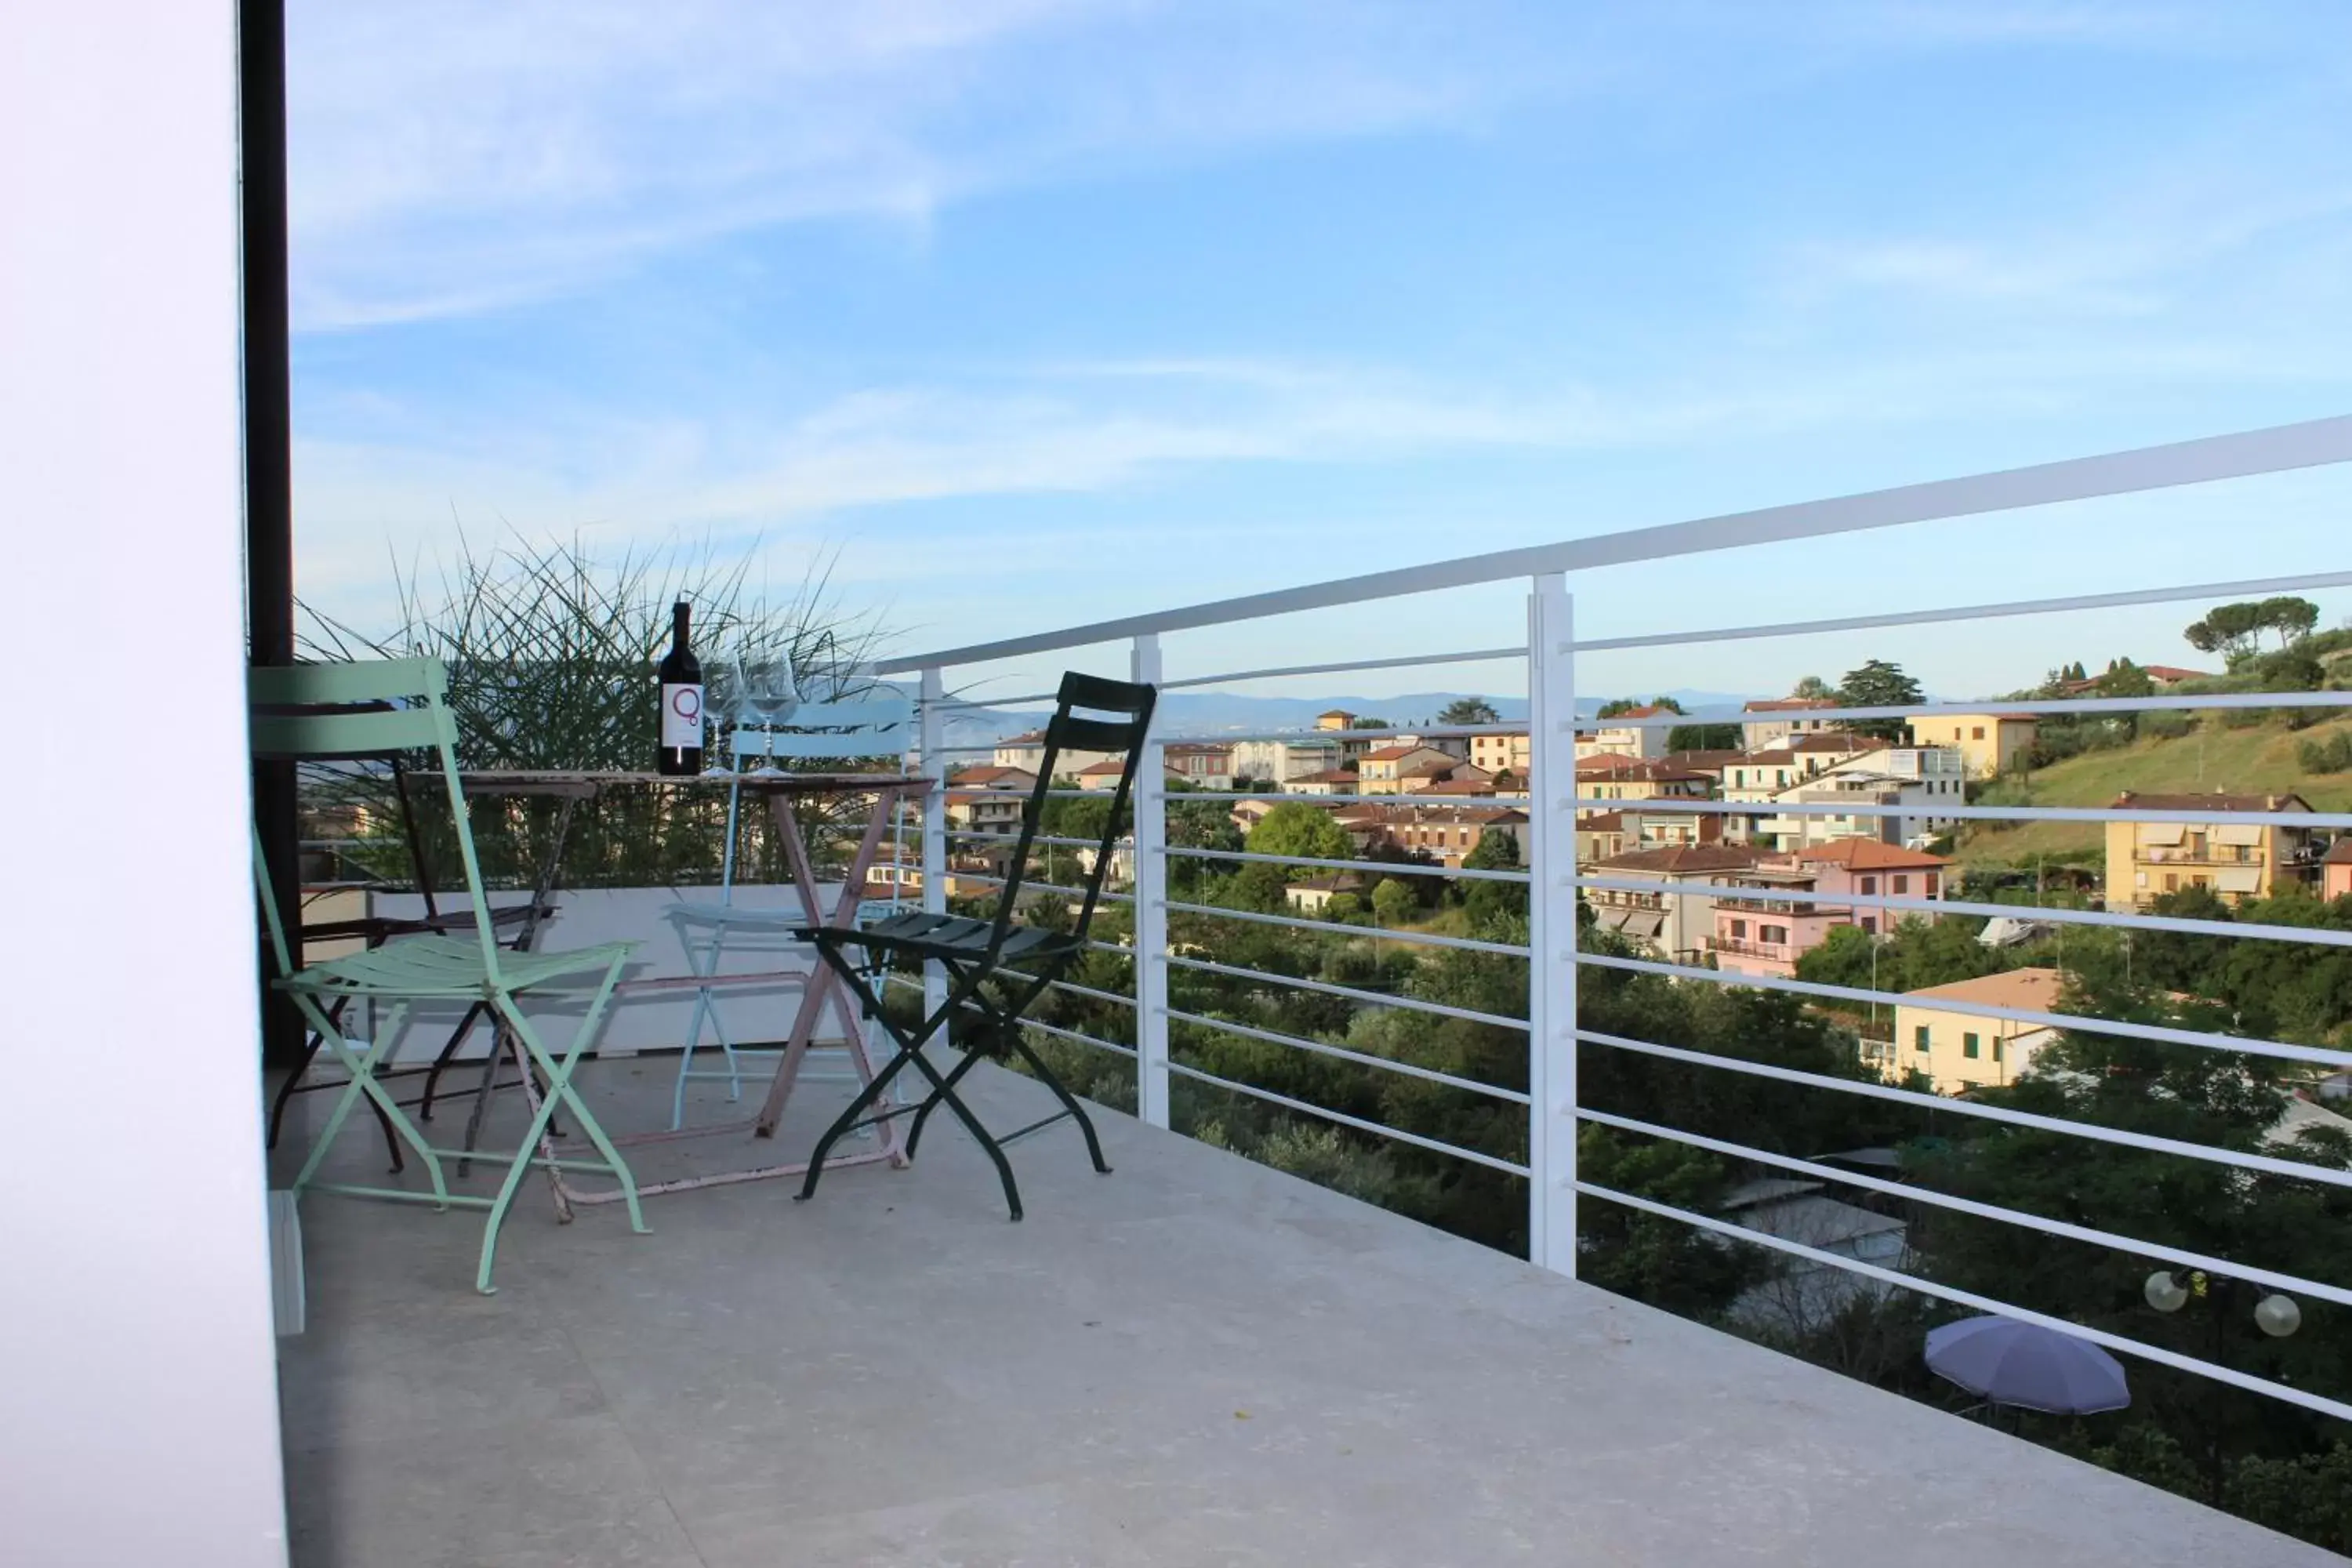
(364, 1084)
(448, 1051)
(1069, 1102)
(864, 1102)
(931, 1101)
(943, 1089)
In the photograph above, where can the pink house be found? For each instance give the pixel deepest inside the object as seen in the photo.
(2336, 869)
(1767, 936)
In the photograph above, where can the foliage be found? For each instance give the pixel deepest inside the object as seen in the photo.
(1814, 688)
(1393, 901)
(2332, 755)
(550, 651)
(2234, 630)
(1616, 705)
(1469, 710)
(1704, 738)
(1879, 684)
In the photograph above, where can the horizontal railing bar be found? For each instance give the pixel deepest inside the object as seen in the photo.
(1025, 794)
(1465, 872)
(1410, 662)
(2257, 587)
(2246, 1379)
(1429, 938)
(946, 703)
(1871, 1089)
(972, 1006)
(1030, 884)
(1370, 998)
(1071, 985)
(2161, 702)
(2277, 449)
(2082, 1233)
(2080, 1023)
(1304, 1108)
(1386, 732)
(980, 837)
(1331, 802)
(2323, 936)
(1363, 1058)
(1970, 813)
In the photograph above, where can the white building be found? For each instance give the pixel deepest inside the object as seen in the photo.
(1921, 780)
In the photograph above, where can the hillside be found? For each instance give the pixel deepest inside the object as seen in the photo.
(2248, 760)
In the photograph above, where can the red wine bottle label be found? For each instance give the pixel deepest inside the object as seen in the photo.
(681, 721)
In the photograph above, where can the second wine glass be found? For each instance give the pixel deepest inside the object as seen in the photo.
(767, 691)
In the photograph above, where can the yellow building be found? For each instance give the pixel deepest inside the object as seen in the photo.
(1990, 743)
(1936, 1032)
(2238, 860)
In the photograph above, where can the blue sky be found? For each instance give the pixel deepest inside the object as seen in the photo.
(1039, 311)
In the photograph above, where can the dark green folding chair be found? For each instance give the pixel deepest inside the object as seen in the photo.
(985, 1023)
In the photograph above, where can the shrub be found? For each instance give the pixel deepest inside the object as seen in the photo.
(2332, 755)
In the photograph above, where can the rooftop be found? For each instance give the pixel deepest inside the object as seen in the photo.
(1197, 1359)
(2216, 802)
(1787, 704)
(1868, 855)
(2032, 990)
(1682, 859)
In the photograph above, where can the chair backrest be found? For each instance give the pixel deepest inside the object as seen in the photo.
(1129, 722)
(372, 710)
(855, 727)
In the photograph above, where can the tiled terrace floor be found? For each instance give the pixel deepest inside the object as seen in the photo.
(1194, 1361)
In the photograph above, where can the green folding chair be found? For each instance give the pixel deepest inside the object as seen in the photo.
(372, 710)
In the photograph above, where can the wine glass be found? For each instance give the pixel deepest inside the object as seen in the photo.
(722, 709)
(769, 692)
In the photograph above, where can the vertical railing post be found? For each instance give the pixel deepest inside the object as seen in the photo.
(1150, 907)
(935, 826)
(1551, 927)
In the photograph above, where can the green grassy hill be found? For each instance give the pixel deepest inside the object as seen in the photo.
(2251, 760)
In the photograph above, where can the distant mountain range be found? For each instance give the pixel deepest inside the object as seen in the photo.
(1217, 714)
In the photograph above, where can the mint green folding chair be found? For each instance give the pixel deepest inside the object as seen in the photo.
(371, 710)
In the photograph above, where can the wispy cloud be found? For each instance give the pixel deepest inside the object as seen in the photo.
(449, 157)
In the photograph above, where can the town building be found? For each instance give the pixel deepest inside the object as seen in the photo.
(1200, 765)
(1613, 778)
(1767, 936)
(1382, 771)
(987, 799)
(1675, 925)
(1027, 751)
(1938, 1031)
(1992, 744)
(1774, 720)
(2336, 869)
(1279, 762)
(2239, 860)
(1911, 785)
(1332, 781)
(1614, 736)
(1502, 753)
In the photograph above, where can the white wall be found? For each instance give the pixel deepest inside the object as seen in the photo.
(137, 1397)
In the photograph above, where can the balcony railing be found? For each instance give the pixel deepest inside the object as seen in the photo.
(1776, 951)
(1556, 1190)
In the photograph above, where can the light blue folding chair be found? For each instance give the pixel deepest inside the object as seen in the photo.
(709, 931)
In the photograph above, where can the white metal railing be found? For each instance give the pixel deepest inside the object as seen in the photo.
(1554, 883)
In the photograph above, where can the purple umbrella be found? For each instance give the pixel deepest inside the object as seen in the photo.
(2011, 1363)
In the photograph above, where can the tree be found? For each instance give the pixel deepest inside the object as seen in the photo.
(1393, 901)
(1495, 851)
(1295, 828)
(1813, 689)
(1879, 684)
(1374, 723)
(2235, 630)
(1616, 705)
(1469, 710)
(1703, 737)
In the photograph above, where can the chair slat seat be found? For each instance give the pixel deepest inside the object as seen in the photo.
(436, 965)
(917, 934)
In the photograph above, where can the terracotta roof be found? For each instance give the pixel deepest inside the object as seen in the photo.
(1429, 770)
(1329, 775)
(1461, 786)
(1682, 859)
(1195, 749)
(1646, 710)
(1703, 761)
(1108, 768)
(976, 778)
(1335, 713)
(1787, 704)
(2174, 672)
(2338, 853)
(1027, 738)
(1608, 765)
(1869, 855)
(2027, 990)
(1390, 754)
(1602, 822)
(2212, 802)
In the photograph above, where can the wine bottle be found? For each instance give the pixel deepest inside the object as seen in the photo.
(681, 674)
